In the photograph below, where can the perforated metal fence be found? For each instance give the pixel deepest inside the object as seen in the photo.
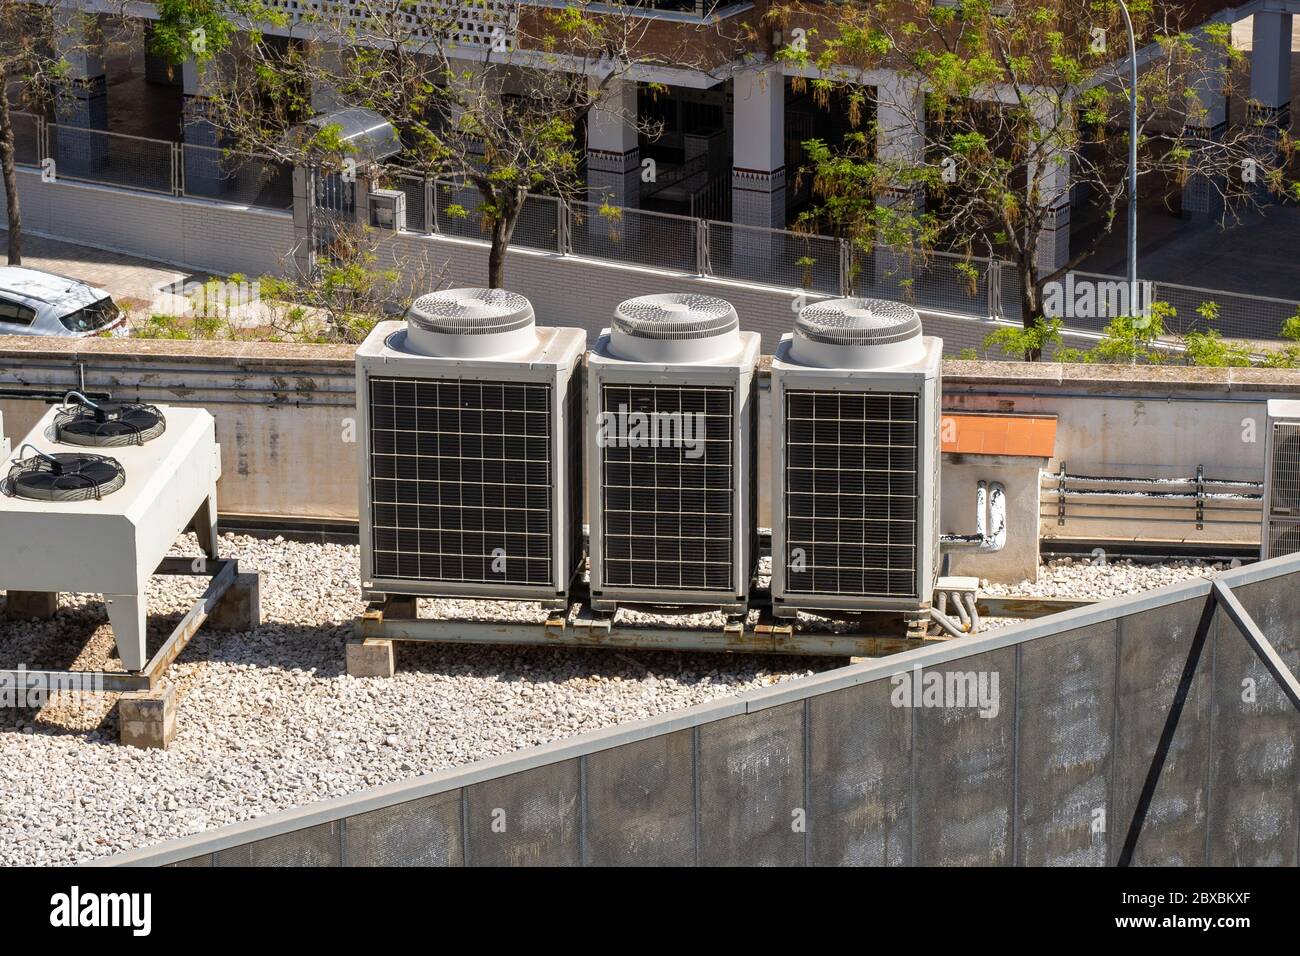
(539, 224)
(1114, 734)
(1236, 315)
(970, 286)
(774, 257)
(415, 188)
(214, 173)
(932, 280)
(27, 138)
(655, 239)
(458, 211)
(98, 156)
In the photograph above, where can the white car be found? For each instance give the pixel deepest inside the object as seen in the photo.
(42, 303)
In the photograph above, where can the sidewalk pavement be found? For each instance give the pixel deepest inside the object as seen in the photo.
(122, 276)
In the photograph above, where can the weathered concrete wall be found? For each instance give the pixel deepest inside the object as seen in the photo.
(1138, 421)
(284, 416)
(1018, 559)
(283, 412)
(194, 233)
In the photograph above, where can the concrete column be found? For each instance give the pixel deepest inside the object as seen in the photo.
(82, 103)
(758, 149)
(900, 137)
(1203, 193)
(900, 142)
(1053, 179)
(613, 153)
(202, 138)
(1270, 85)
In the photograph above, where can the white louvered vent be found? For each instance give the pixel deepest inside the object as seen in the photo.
(1280, 533)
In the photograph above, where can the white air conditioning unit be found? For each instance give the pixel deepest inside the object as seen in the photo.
(471, 477)
(672, 419)
(855, 460)
(1280, 533)
(95, 496)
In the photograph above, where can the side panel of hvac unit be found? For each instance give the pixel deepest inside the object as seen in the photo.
(1280, 532)
(471, 479)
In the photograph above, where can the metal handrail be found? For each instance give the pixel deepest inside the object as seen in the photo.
(702, 230)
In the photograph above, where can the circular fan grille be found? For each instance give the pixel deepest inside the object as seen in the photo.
(675, 316)
(471, 312)
(65, 476)
(858, 322)
(108, 424)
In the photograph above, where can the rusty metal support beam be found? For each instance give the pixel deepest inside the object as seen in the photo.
(1025, 607)
(223, 573)
(226, 570)
(20, 682)
(769, 636)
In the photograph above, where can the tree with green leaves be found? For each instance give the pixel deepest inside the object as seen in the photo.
(39, 40)
(977, 122)
(498, 108)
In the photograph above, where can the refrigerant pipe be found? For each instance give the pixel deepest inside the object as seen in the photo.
(990, 513)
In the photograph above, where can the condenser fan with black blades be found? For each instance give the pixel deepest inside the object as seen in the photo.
(106, 424)
(64, 476)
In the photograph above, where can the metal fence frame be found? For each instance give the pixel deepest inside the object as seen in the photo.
(803, 263)
(1126, 739)
(164, 175)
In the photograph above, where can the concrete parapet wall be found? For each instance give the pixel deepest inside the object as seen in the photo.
(285, 416)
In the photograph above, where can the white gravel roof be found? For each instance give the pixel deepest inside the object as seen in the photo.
(268, 720)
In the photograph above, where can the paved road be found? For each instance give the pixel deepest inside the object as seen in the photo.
(128, 279)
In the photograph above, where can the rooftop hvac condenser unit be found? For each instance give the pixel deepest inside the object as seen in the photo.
(671, 448)
(855, 460)
(472, 465)
(94, 497)
(1280, 533)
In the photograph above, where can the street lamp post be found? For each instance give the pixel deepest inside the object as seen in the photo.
(1133, 299)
